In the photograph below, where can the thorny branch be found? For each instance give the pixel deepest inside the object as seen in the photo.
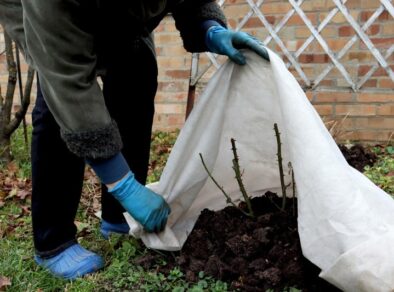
(281, 174)
(238, 177)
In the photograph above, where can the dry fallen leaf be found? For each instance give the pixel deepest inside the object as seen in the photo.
(4, 282)
(12, 168)
(22, 194)
(12, 193)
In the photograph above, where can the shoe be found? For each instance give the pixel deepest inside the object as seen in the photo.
(72, 263)
(107, 228)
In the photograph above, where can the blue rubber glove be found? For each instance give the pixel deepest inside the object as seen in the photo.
(222, 41)
(145, 206)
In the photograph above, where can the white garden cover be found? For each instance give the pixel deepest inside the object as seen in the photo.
(346, 223)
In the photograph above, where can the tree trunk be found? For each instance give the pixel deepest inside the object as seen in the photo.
(7, 124)
(5, 147)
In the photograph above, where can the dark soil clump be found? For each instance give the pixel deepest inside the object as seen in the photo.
(249, 254)
(358, 157)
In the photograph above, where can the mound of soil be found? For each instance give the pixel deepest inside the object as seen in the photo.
(250, 254)
(358, 156)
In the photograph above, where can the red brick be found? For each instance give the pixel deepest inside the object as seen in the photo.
(370, 4)
(321, 58)
(327, 83)
(360, 56)
(173, 86)
(159, 51)
(172, 97)
(175, 51)
(364, 69)
(277, 8)
(346, 30)
(306, 58)
(176, 120)
(334, 96)
(314, 58)
(309, 95)
(353, 4)
(388, 29)
(324, 110)
(386, 83)
(375, 97)
(355, 110)
(365, 15)
(160, 28)
(167, 38)
(378, 123)
(381, 43)
(171, 62)
(370, 83)
(169, 108)
(232, 23)
(385, 110)
(372, 136)
(178, 74)
(373, 29)
(256, 22)
(336, 44)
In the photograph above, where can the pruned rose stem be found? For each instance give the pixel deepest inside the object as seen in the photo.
(281, 174)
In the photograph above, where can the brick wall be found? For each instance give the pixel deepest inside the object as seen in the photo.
(366, 114)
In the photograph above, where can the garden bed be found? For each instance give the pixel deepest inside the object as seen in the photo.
(249, 254)
(252, 254)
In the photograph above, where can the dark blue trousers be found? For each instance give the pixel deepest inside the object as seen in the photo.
(130, 85)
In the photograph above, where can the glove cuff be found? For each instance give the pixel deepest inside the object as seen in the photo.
(207, 24)
(212, 30)
(119, 185)
(110, 170)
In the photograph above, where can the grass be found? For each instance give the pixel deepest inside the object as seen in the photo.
(120, 252)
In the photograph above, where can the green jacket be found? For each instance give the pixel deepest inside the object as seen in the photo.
(52, 35)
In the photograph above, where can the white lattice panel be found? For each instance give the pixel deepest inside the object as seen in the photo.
(353, 81)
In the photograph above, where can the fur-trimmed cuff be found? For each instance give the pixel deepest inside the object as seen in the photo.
(189, 22)
(213, 12)
(99, 143)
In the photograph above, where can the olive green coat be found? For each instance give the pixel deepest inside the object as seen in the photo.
(59, 38)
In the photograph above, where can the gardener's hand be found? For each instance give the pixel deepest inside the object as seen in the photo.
(222, 41)
(145, 206)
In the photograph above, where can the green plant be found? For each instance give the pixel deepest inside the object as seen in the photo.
(382, 172)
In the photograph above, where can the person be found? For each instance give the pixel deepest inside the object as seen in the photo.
(70, 43)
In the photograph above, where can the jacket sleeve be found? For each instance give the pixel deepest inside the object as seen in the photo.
(189, 16)
(62, 47)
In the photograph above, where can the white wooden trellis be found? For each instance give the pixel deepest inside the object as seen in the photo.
(340, 7)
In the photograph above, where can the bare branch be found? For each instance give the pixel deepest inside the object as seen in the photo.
(228, 199)
(6, 112)
(20, 114)
(281, 174)
(1, 100)
(238, 177)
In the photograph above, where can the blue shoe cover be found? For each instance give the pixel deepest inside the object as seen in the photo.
(107, 228)
(72, 263)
